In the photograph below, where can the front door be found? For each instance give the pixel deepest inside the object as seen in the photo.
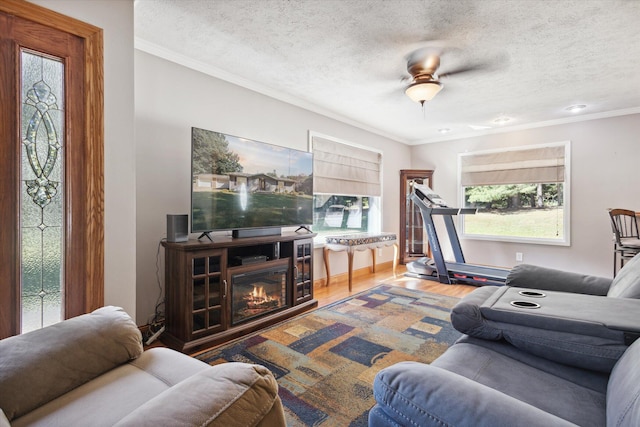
(51, 167)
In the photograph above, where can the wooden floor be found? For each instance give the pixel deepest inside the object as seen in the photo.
(339, 287)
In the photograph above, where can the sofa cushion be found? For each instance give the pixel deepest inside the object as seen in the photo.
(417, 394)
(578, 400)
(626, 284)
(229, 394)
(623, 392)
(39, 366)
(115, 394)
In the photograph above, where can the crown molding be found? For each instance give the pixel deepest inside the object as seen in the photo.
(172, 56)
(515, 128)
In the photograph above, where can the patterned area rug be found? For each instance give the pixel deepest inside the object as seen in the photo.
(325, 360)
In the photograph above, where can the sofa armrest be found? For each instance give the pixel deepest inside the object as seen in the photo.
(586, 331)
(549, 279)
(229, 394)
(413, 393)
(39, 366)
(467, 318)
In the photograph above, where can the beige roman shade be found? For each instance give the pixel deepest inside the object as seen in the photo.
(344, 169)
(545, 164)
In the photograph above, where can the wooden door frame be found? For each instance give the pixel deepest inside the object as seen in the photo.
(89, 216)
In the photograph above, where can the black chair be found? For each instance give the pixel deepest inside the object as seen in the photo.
(624, 225)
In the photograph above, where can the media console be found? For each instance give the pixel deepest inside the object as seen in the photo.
(217, 291)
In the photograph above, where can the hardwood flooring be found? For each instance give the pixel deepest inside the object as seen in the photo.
(339, 288)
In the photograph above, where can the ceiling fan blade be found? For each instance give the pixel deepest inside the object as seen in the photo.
(466, 69)
(495, 63)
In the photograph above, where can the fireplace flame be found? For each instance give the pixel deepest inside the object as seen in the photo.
(259, 294)
(259, 299)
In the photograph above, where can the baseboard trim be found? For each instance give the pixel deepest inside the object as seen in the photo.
(364, 271)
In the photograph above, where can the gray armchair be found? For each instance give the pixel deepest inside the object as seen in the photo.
(91, 370)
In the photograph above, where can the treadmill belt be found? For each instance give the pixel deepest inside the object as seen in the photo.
(492, 273)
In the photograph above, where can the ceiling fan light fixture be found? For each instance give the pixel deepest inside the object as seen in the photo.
(423, 91)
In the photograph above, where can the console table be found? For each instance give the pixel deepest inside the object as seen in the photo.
(359, 242)
(221, 290)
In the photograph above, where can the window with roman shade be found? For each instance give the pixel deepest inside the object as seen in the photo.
(340, 167)
(538, 164)
(346, 185)
(521, 193)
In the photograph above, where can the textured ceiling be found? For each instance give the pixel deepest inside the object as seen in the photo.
(346, 58)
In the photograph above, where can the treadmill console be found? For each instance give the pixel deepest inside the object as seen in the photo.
(424, 192)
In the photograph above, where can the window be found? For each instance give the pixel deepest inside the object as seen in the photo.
(522, 194)
(346, 185)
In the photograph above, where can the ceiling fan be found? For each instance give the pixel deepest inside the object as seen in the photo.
(423, 65)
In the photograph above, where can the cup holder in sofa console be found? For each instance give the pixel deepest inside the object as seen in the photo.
(532, 294)
(525, 304)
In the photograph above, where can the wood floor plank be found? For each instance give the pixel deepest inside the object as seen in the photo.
(339, 288)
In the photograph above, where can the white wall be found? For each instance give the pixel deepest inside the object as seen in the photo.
(116, 20)
(170, 99)
(605, 155)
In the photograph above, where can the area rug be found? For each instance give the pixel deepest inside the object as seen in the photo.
(325, 360)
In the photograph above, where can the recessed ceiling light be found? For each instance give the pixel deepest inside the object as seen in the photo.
(501, 120)
(476, 127)
(576, 108)
(444, 130)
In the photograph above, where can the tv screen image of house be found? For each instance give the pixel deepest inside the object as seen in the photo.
(239, 183)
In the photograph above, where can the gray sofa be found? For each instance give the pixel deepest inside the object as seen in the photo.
(91, 370)
(568, 356)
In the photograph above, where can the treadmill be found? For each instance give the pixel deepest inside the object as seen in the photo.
(437, 268)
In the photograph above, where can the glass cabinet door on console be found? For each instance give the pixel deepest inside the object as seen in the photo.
(413, 240)
(302, 270)
(208, 291)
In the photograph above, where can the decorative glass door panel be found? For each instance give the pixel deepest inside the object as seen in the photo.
(207, 292)
(42, 189)
(303, 284)
(51, 163)
(413, 240)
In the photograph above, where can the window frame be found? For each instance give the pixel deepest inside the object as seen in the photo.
(375, 224)
(566, 220)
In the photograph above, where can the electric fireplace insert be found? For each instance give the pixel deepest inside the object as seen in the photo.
(256, 293)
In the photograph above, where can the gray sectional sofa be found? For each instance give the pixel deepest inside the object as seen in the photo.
(550, 349)
(92, 370)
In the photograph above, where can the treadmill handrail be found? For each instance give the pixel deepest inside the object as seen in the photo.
(440, 210)
(453, 211)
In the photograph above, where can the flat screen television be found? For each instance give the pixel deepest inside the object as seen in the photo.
(241, 184)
